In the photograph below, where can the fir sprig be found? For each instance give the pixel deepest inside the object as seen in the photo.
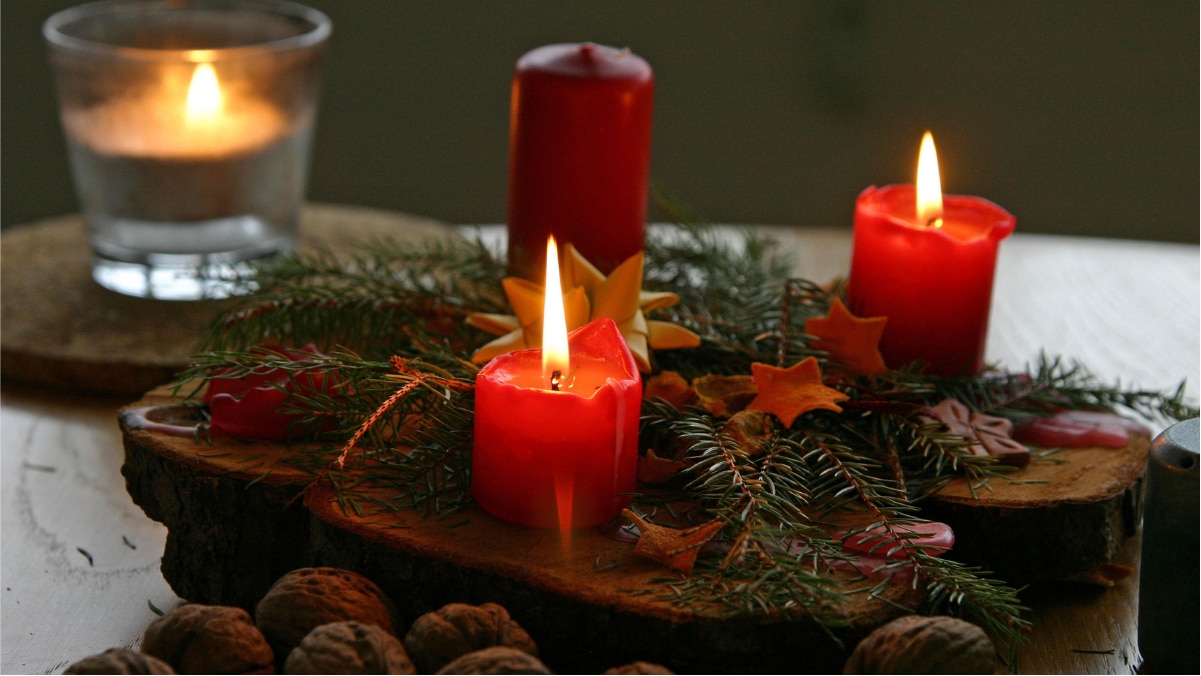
(388, 300)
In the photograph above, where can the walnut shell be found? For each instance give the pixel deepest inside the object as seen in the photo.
(498, 659)
(200, 639)
(640, 667)
(916, 644)
(307, 598)
(349, 648)
(458, 628)
(119, 661)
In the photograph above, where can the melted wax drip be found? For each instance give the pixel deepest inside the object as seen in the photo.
(143, 419)
(1079, 429)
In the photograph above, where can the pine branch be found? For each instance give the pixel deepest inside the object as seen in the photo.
(968, 592)
(951, 587)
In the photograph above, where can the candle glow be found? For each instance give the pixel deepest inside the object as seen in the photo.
(556, 360)
(190, 115)
(205, 100)
(929, 185)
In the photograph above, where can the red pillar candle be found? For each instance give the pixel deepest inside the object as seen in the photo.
(579, 158)
(932, 277)
(558, 459)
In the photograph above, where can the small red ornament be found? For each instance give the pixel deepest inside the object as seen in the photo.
(250, 405)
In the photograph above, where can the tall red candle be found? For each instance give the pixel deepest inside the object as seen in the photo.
(579, 158)
(933, 283)
(558, 459)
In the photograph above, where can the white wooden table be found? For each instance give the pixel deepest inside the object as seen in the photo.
(79, 567)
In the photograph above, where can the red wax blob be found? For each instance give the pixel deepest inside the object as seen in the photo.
(558, 459)
(250, 405)
(932, 538)
(579, 157)
(1079, 429)
(933, 284)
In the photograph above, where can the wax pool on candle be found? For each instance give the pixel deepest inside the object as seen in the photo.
(579, 158)
(933, 283)
(558, 459)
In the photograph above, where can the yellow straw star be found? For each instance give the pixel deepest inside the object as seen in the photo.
(592, 295)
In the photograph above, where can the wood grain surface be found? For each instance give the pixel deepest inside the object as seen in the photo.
(1129, 310)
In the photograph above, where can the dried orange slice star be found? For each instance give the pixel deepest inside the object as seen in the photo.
(792, 391)
(853, 342)
(676, 548)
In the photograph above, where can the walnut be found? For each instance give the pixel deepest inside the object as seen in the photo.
(456, 629)
(915, 644)
(119, 661)
(640, 667)
(349, 648)
(307, 598)
(200, 639)
(498, 659)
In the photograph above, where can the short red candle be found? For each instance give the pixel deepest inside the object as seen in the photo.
(558, 459)
(579, 157)
(933, 284)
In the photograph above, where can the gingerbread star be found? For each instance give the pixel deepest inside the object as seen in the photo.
(991, 435)
(675, 548)
(792, 391)
(853, 342)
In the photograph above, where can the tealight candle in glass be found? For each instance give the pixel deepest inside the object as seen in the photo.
(189, 127)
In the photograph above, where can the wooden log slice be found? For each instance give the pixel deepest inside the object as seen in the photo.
(588, 600)
(1060, 516)
(234, 527)
(234, 520)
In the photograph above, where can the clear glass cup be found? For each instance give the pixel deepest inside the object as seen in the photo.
(189, 126)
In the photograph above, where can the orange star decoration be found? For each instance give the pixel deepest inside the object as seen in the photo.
(853, 342)
(592, 295)
(676, 548)
(792, 391)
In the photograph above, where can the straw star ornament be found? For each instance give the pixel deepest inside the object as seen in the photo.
(590, 295)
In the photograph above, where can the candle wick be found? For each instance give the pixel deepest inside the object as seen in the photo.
(555, 377)
(935, 222)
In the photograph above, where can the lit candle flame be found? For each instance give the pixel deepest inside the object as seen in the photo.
(929, 185)
(555, 356)
(204, 96)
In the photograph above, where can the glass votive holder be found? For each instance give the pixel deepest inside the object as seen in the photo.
(189, 127)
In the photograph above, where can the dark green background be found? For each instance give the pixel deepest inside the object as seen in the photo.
(1079, 117)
